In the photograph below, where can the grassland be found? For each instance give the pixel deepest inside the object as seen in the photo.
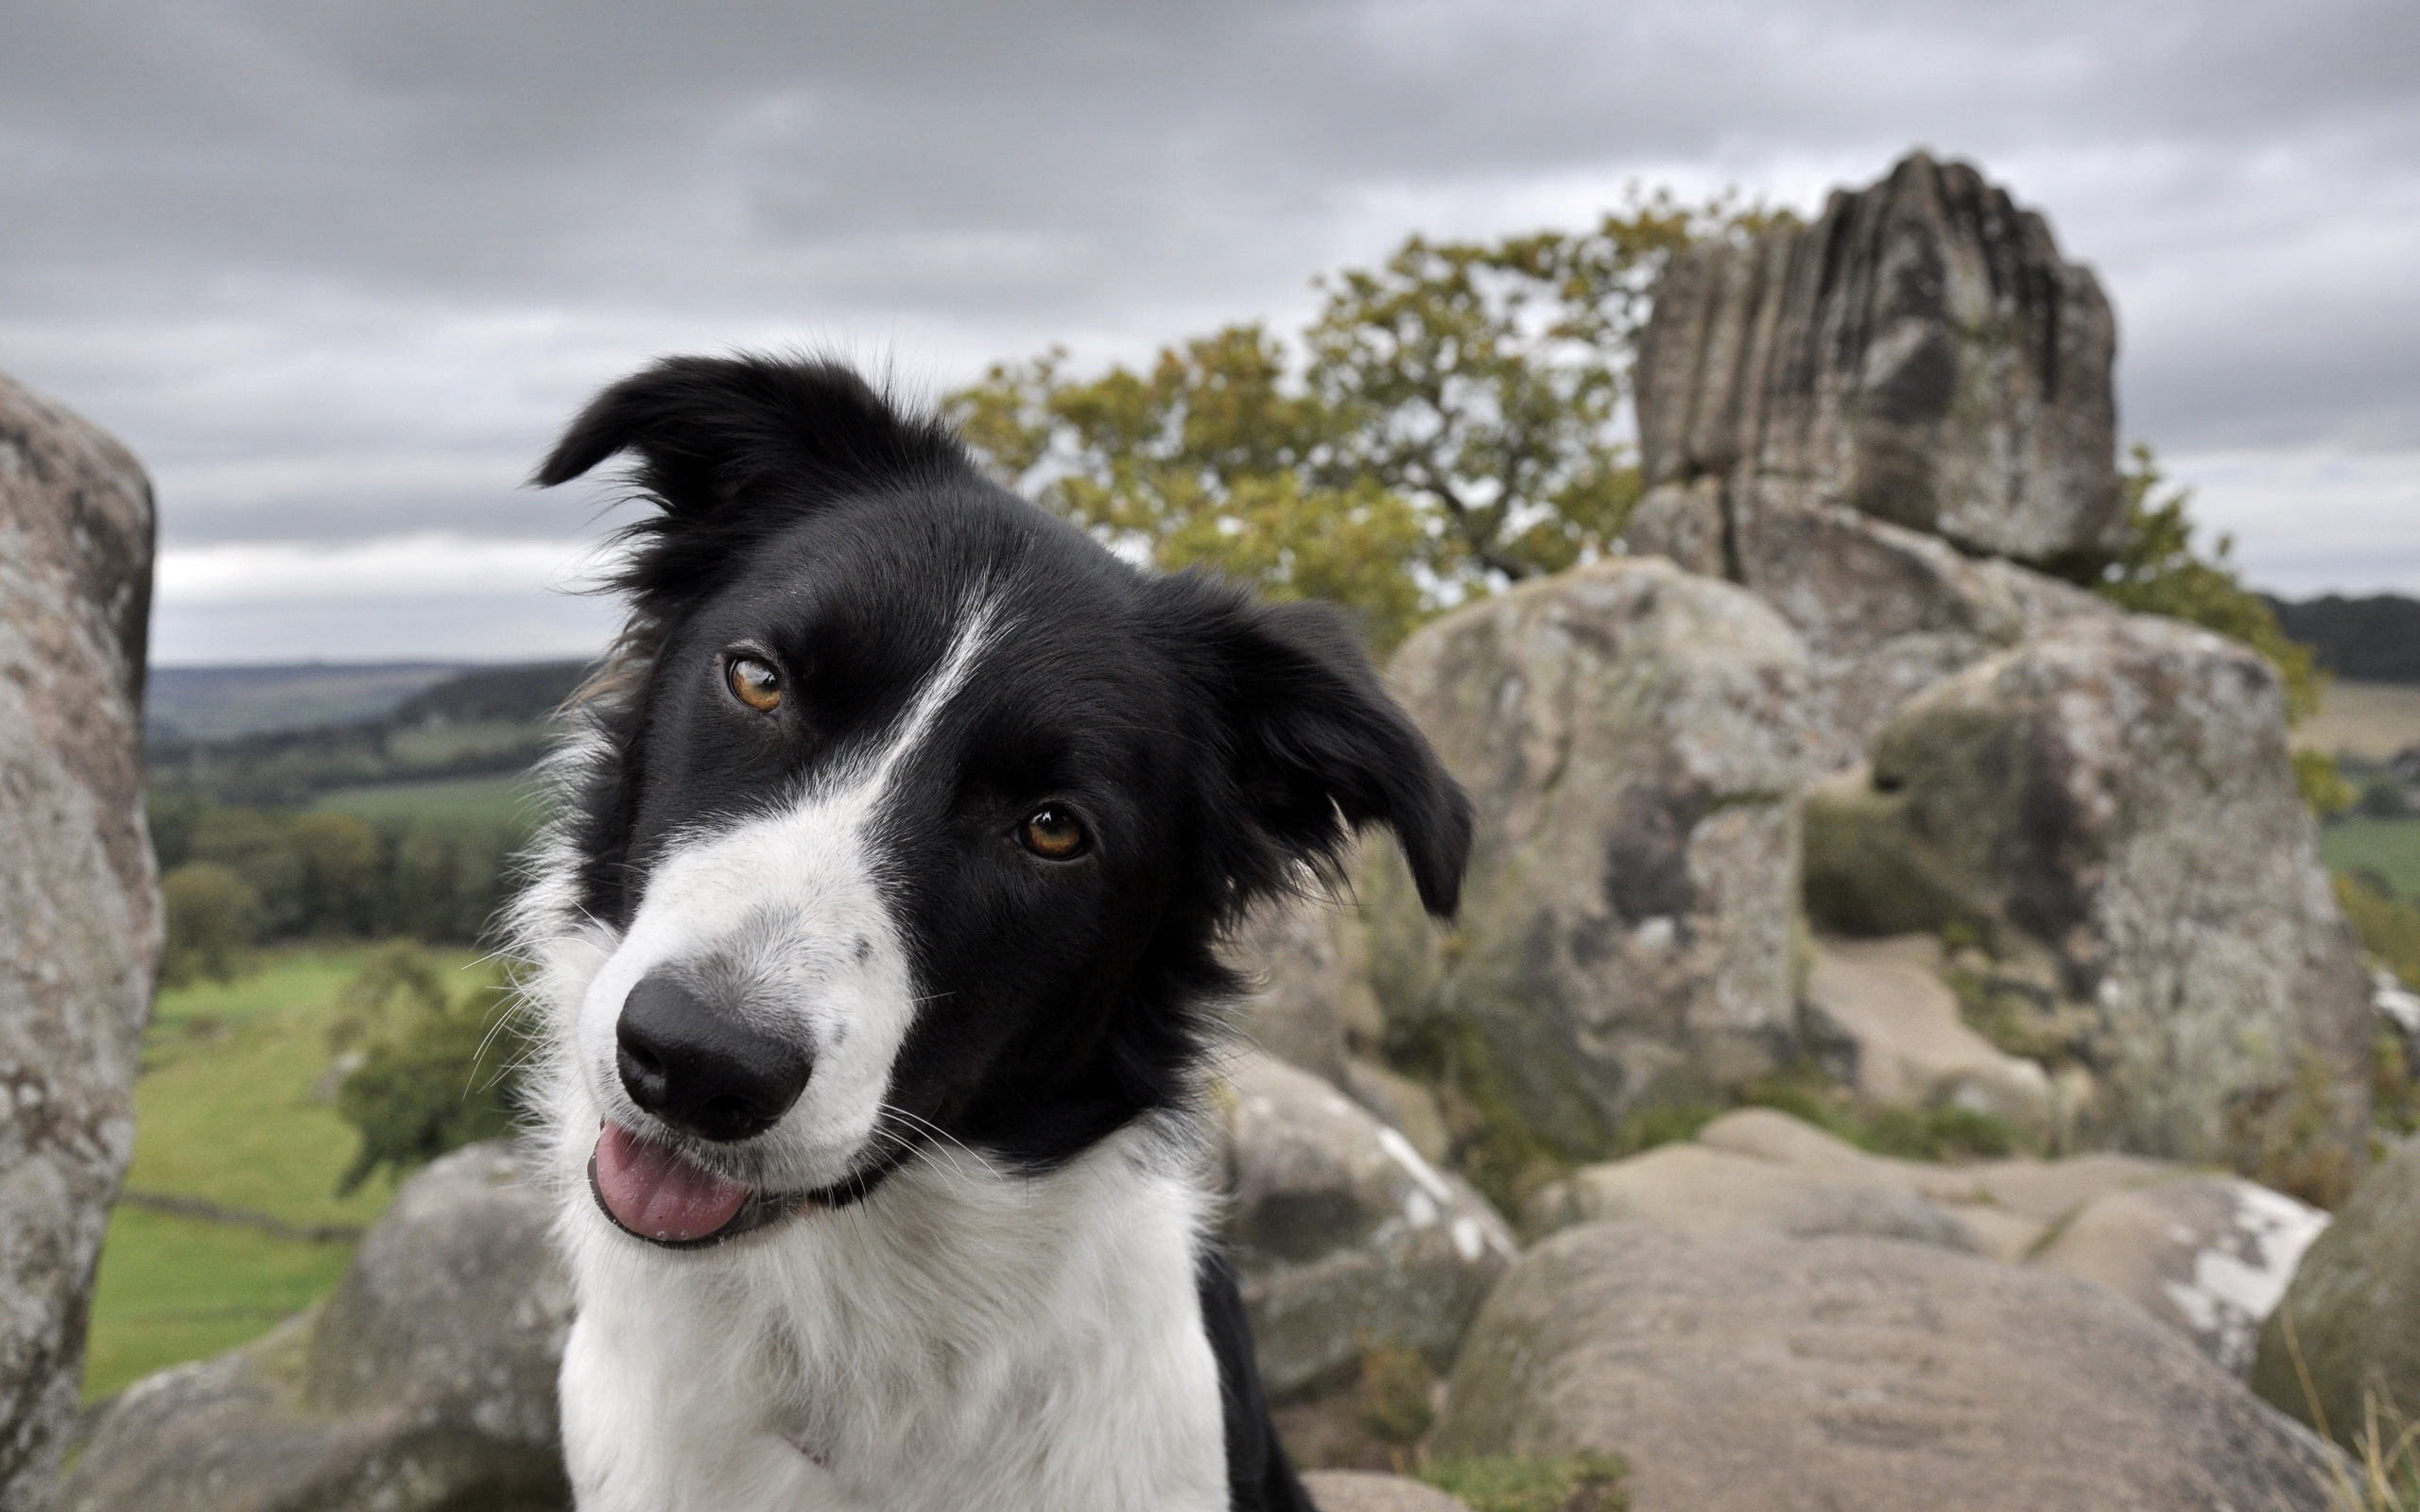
(512, 800)
(2391, 847)
(229, 1111)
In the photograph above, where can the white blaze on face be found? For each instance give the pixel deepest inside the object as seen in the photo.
(791, 905)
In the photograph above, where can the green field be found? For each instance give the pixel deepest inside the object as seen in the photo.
(498, 799)
(2391, 847)
(226, 1112)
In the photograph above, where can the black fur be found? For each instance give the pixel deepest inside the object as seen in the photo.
(1212, 746)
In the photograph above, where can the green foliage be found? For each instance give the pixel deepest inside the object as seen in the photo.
(1496, 1482)
(1948, 1133)
(2324, 790)
(2388, 851)
(1450, 425)
(437, 1074)
(2390, 928)
(2159, 572)
(324, 875)
(214, 915)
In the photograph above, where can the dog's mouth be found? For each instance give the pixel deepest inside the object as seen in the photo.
(659, 1194)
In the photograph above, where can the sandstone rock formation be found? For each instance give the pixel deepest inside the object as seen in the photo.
(1346, 1237)
(1836, 415)
(2119, 795)
(1631, 735)
(1702, 1190)
(1365, 1491)
(2209, 1255)
(1752, 1370)
(80, 898)
(1881, 1011)
(2350, 1323)
(426, 1382)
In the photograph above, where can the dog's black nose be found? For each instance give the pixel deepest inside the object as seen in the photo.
(700, 1070)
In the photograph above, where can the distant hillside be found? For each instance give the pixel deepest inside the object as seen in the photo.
(488, 721)
(212, 703)
(2362, 640)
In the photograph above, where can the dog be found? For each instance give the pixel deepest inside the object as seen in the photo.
(874, 946)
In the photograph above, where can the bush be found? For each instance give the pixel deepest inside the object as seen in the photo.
(436, 1074)
(214, 917)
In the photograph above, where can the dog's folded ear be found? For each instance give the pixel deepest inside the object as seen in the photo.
(1321, 748)
(733, 448)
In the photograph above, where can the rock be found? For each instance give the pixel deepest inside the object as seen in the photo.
(1698, 1190)
(1885, 1004)
(2209, 1255)
(1752, 1370)
(1632, 736)
(2120, 794)
(1365, 1491)
(1346, 1239)
(426, 1382)
(1309, 982)
(2350, 1322)
(1841, 415)
(80, 898)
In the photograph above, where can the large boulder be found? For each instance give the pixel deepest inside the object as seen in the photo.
(1366, 1491)
(1346, 1237)
(426, 1382)
(1842, 416)
(80, 898)
(1705, 1190)
(1632, 736)
(2348, 1331)
(2207, 1255)
(1880, 1011)
(1753, 1371)
(2120, 794)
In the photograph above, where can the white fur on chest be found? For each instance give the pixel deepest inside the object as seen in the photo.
(960, 1342)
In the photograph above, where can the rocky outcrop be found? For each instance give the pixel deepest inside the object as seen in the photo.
(1752, 1370)
(1703, 1190)
(80, 898)
(1632, 736)
(1365, 1491)
(2118, 796)
(2348, 1332)
(426, 1382)
(2209, 1255)
(1841, 415)
(1346, 1238)
(1880, 1013)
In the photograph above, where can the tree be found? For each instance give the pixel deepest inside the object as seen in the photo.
(435, 1074)
(214, 915)
(1449, 423)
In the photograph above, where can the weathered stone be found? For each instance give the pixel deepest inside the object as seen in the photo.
(2209, 1255)
(1921, 353)
(1752, 1370)
(2120, 793)
(427, 1381)
(1631, 737)
(1884, 1003)
(1365, 1491)
(1836, 415)
(80, 898)
(2350, 1323)
(1700, 1190)
(1310, 985)
(1346, 1239)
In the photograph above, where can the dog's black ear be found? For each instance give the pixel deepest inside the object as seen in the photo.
(1322, 750)
(731, 448)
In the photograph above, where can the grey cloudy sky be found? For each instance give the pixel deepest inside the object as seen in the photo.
(338, 271)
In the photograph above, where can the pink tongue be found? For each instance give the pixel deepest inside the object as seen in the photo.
(656, 1192)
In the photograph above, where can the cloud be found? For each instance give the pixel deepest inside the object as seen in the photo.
(338, 270)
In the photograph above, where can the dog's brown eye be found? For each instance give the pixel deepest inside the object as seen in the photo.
(1054, 835)
(755, 683)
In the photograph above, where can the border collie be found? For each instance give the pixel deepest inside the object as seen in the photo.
(875, 945)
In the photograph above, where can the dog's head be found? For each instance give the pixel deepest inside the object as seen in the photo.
(921, 812)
